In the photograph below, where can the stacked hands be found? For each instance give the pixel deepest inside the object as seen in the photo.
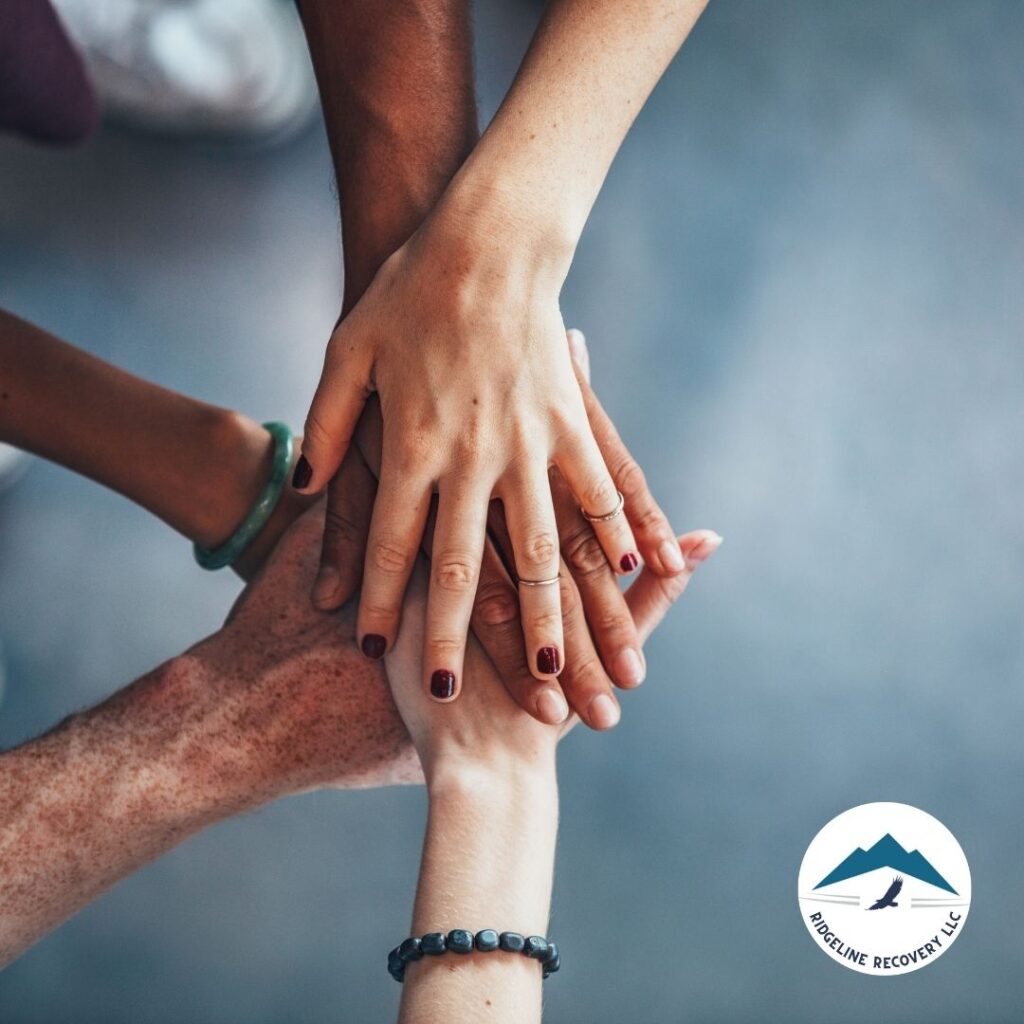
(578, 607)
(478, 500)
(291, 696)
(281, 700)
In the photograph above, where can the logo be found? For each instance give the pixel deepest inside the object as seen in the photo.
(884, 889)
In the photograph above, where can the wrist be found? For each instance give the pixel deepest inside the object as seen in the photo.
(502, 822)
(488, 220)
(498, 780)
(242, 452)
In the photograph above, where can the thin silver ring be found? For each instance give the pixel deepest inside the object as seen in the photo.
(539, 583)
(620, 505)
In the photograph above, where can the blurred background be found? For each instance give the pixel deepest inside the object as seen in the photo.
(802, 289)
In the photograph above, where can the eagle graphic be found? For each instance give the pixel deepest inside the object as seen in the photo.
(889, 899)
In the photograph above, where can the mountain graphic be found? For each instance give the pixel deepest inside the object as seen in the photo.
(886, 853)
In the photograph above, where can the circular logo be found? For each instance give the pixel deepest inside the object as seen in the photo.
(884, 889)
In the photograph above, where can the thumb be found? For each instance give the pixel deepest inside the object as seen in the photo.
(651, 596)
(340, 396)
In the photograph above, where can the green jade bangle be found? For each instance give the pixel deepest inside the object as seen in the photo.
(232, 548)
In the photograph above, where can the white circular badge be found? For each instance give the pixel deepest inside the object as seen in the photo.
(884, 889)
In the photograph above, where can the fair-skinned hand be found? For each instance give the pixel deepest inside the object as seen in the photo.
(466, 351)
(485, 729)
(601, 643)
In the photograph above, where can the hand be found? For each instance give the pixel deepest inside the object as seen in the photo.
(477, 400)
(285, 699)
(485, 729)
(601, 642)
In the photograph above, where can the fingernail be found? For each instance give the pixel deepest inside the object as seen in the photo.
(577, 344)
(671, 556)
(629, 668)
(629, 562)
(442, 684)
(549, 661)
(328, 579)
(704, 550)
(552, 707)
(374, 646)
(303, 473)
(604, 712)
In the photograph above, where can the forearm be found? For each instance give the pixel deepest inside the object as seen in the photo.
(488, 861)
(197, 467)
(99, 796)
(396, 84)
(589, 70)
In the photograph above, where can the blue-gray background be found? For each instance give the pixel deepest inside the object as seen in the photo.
(802, 287)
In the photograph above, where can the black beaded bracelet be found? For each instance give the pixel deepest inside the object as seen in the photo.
(458, 940)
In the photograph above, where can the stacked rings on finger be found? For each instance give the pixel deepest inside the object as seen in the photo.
(459, 940)
(620, 505)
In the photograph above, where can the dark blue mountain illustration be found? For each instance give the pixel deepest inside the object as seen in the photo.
(886, 853)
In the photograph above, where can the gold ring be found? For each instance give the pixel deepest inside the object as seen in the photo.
(539, 583)
(620, 504)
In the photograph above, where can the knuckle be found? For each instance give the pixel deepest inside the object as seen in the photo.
(546, 622)
(611, 623)
(455, 572)
(567, 419)
(599, 496)
(340, 530)
(630, 478)
(415, 452)
(474, 449)
(537, 551)
(315, 431)
(584, 554)
(377, 613)
(390, 559)
(649, 518)
(443, 646)
(588, 676)
(497, 604)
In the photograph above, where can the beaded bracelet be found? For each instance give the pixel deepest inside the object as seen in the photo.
(232, 548)
(458, 940)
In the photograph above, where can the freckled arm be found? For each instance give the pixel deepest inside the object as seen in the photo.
(97, 797)
(277, 702)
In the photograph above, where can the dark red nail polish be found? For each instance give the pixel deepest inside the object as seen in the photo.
(374, 645)
(303, 473)
(629, 562)
(442, 684)
(548, 660)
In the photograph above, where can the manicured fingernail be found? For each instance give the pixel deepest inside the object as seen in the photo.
(374, 646)
(442, 684)
(704, 550)
(303, 473)
(603, 712)
(629, 667)
(549, 661)
(671, 557)
(628, 562)
(328, 579)
(552, 707)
